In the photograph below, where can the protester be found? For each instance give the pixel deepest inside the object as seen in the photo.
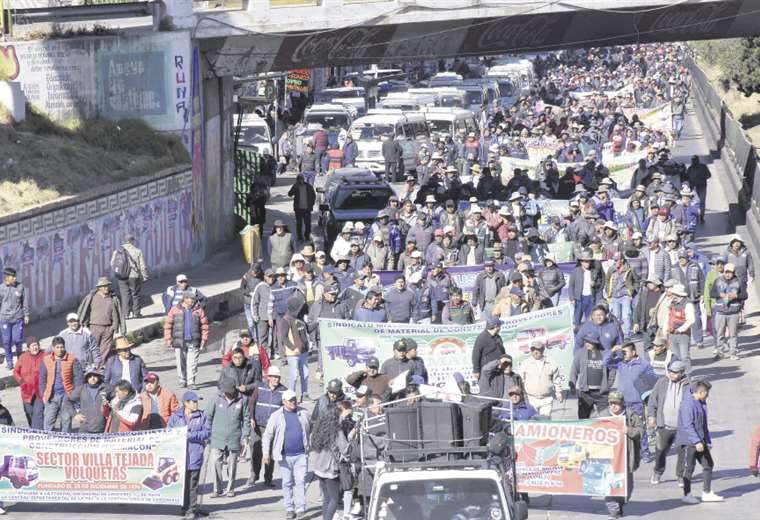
(27, 375)
(228, 417)
(328, 444)
(498, 378)
(663, 409)
(100, 311)
(159, 403)
(80, 342)
(634, 433)
(676, 317)
(60, 373)
(589, 377)
(293, 336)
(729, 294)
(198, 435)
(90, 400)
(371, 377)
(125, 365)
(286, 441)
(263, 402)
(128, 265)
(14, 315)
(125, 410)
(176, 293)
(457, 310)
(542, 380)
(186, 331)
(488, 346)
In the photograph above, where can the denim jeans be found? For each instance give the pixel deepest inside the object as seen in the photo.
(58, 405)
(13, 335)
(331, 496)
(582, 309)
(697, 336)
(249, 319)
(35, 413)
(293, 471)
(680, 345)
(620, 307)
(298, 366)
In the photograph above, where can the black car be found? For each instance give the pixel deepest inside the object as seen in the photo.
(350, 195)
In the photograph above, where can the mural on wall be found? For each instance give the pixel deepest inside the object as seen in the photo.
(65, 262)
(112, 76)
(197, 148)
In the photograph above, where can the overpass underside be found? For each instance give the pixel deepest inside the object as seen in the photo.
(232, 48)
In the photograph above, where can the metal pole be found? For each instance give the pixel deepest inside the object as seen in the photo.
(514, 453)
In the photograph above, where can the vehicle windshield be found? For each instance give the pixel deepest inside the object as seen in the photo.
(451, 101)
(350, 198)
(369, 131)
(335, 94)
(254, 134)
(399, 105)
(439, 126)
(460, 499)
(331, 121)
(474, 97)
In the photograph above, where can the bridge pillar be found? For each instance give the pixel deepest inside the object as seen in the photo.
(175, 14)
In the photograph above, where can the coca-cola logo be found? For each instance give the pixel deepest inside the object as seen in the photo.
(689, 20)
(517, 34)
(351, 44)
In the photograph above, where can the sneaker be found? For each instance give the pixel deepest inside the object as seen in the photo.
(190, 515)
(716, 353)
(192, 386)
(201, 512)
(249, 483)
(301, 515)
(2, 511)
(689, 499)
(734, 357)
(711, 497)
(230, 494)
(680, 482)
(269, 484)
(656, 479)
(305, 397)
(214, 494)
(290, 515)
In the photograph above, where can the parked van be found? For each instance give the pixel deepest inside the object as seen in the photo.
(254, 134)
(409, 128)
(451, 97)
(445, 79)
(333, 118)
(353, 96)
(444, 122)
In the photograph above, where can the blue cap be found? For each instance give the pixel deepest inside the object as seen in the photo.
(493, 321)
(329, 269)
(190, 396)
(417, 380)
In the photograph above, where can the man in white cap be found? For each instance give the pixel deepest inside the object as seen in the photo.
(675, 317)
(265, 400)
(174, 293)
(286, 441)
(342, 245)
(729, 295)
(80, 342)
(738, 255)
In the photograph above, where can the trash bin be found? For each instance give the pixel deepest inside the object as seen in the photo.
(250, 239)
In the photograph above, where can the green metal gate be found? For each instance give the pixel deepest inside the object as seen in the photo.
(248, 165)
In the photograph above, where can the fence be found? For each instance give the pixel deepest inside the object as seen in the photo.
(247, 166)
(731, 138)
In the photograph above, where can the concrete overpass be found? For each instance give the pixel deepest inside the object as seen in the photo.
(269, 36)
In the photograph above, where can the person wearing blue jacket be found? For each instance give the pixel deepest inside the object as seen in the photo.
(370, 310)
(115, 370)
(601, 323)
(198, 435)
(635, 376)
(693, 437)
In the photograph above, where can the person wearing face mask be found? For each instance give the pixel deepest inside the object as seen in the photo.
(634, 429)
(89, 399)
(27, 374)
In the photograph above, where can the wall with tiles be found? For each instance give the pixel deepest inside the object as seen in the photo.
(60, 250)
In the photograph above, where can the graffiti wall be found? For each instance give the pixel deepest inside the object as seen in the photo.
(111, 76)
(60, 254)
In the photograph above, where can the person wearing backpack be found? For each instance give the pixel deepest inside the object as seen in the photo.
(128, 265)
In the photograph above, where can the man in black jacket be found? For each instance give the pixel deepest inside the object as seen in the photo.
(393, 156)
(488, 346)
(304, 198)
(498, 378)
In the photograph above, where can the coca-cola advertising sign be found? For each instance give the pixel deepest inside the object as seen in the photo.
(686, 20)
(518, 33)
(353, 45)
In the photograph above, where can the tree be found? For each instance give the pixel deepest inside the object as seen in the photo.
(747, 72)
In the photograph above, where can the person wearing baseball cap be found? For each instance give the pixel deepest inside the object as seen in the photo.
(198, 435)
(634, 432)
(286, 441)
(14, 314)
(399, 363)
(158, 403)
(370, 377)
(737, 254)
(187, 344)
(265, 400)
(663, 407)
(80, 342)
(27, 373)
(175, 293)
(729, 294)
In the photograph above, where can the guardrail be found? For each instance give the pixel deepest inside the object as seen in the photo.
(732, 138)
(23, 13)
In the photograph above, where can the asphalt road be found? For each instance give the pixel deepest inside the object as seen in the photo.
(733, 413)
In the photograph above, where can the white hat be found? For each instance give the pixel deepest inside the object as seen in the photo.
(636, 235)
(475, 209)
(415, 277)
(377, 237)
(181, 278)
(274, 371)
(610, 224)
(515, 196)
(430, 198)
(686, 191)
(297, 257)
(678, 289)
(359, 226)
(72, 316)
(347, 227)
(736, 237)
(473, 200)
(288, 395)
(319, 254)
(448, 229)
(503, 210)
(416, 254)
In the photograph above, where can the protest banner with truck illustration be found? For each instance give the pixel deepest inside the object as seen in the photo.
(586, 457)
(146, 467)
(346, 345)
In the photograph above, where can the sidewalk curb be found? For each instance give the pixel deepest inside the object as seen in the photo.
(218, 308)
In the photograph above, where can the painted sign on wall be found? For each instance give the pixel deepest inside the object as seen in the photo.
(60, 254)
(111, 76)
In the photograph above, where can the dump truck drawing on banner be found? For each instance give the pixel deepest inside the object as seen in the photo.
(578, 456)
(21, 471)
(353, 352)
(165, 474)
(599, 478)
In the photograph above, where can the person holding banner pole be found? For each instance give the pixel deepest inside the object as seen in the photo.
(634, 431)
(198, 435)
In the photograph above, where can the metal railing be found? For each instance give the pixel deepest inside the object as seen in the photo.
(741, 152)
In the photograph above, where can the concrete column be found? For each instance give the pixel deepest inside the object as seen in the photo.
(177, 14)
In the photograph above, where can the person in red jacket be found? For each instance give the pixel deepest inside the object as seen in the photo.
(27, 375)
(186, 330)
(754, 451)
(250, 348)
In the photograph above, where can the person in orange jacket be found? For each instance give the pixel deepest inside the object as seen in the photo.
(754, 451)
(158, 404)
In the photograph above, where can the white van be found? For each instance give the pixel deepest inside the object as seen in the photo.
(254, 134)
(409, 128)
(444, 122)
(451, 97)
